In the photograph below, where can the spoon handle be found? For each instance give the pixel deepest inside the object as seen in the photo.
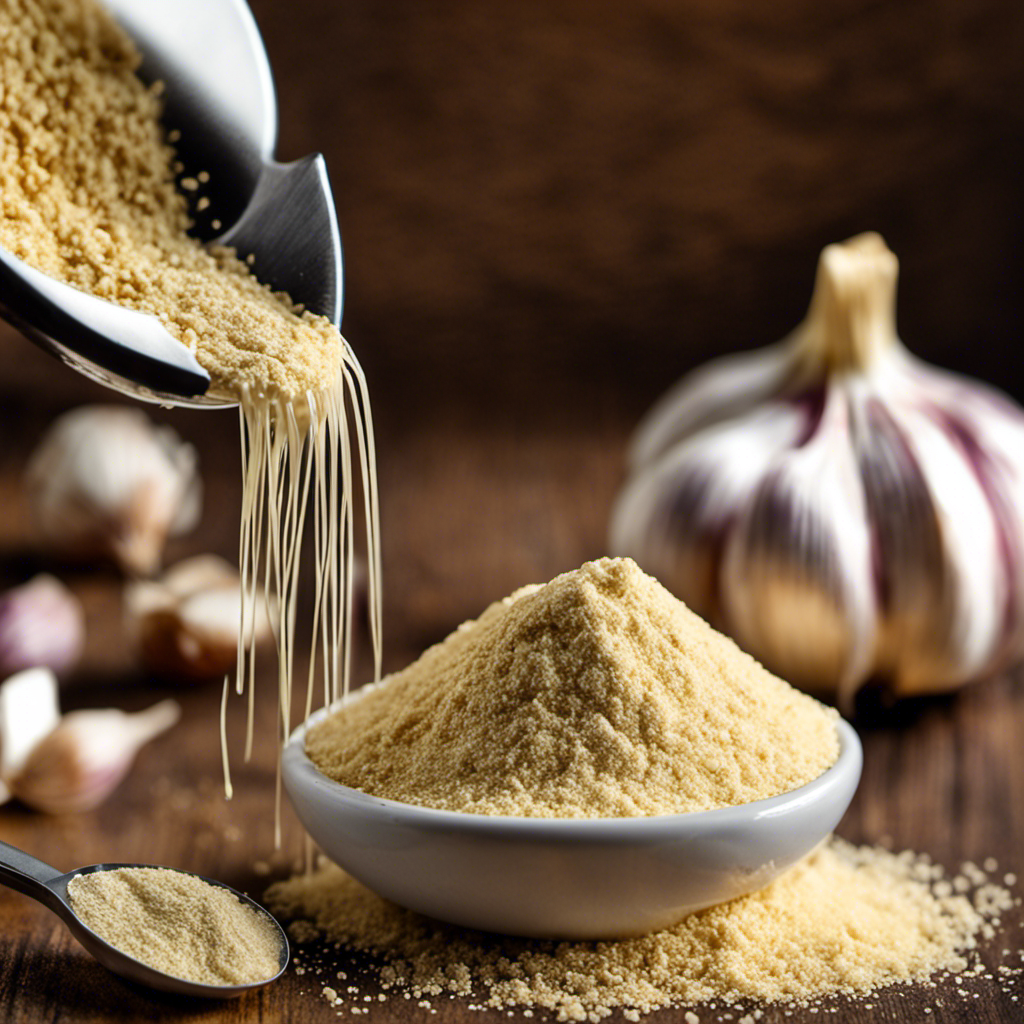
(26, 874)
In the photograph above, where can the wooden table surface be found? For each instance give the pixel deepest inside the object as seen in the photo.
(470, 510)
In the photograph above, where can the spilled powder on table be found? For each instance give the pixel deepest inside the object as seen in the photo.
(179, 924)
(846, 922)
(596, 695)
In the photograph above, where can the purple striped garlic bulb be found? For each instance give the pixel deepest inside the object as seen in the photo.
(845, 511)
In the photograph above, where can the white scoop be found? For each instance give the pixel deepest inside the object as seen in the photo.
(559, 878)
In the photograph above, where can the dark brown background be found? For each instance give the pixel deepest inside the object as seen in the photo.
(551, 210)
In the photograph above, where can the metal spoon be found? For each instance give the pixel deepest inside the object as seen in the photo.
(33, 878)
(220, 96)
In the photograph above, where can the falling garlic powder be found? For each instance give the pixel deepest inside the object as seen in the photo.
(87, 196)
(597, 695)
(179, 924)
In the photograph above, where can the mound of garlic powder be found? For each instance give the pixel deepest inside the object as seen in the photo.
(597, 695)
(88, 196)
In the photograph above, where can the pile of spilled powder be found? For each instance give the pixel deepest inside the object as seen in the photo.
(846, 921)
(597, 695)
(87, 196)
(179, 924)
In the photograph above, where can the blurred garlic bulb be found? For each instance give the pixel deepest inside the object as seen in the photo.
(80, 763)
(844, 510)
(106, 481)
(188, 622)
(41, 623)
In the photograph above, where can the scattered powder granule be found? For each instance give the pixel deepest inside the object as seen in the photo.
(87, 196)
(846, 921)
(179, 924)
(597, 695)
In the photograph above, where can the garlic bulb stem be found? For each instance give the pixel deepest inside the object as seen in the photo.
(852, 317)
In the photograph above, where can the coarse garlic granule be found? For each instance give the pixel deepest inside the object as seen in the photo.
(597, 695)
(87, 196)
(179, 924)
(845, 921)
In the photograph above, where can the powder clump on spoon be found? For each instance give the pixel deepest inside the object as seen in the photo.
(87, 196)
(598, 694)
(179, 924)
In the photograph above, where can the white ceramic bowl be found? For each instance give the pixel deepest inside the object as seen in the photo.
(564, 878)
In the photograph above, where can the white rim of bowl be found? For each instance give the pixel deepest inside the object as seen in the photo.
(848, 764)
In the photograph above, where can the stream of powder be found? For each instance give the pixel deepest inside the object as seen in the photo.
(88, 197)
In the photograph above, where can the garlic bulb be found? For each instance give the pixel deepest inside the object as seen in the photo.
(80, 763)
(844, 510)
(187, 623)
(41, 623)
(106, 481)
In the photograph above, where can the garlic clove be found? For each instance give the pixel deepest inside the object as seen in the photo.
(192, 575)
(944, 628)
(799, 551)
(80, 762)
(187, 623)
(41, 624)
(724, 388)
(106, 481)
(29, 710)
(676, 512)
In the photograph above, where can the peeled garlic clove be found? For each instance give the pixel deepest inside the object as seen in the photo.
(80, 763)
(187, 623)
(106, 481)
(41, 623)
(846, 511)
(29, 710)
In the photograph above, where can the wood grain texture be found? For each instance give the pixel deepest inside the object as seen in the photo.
(549, 211)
